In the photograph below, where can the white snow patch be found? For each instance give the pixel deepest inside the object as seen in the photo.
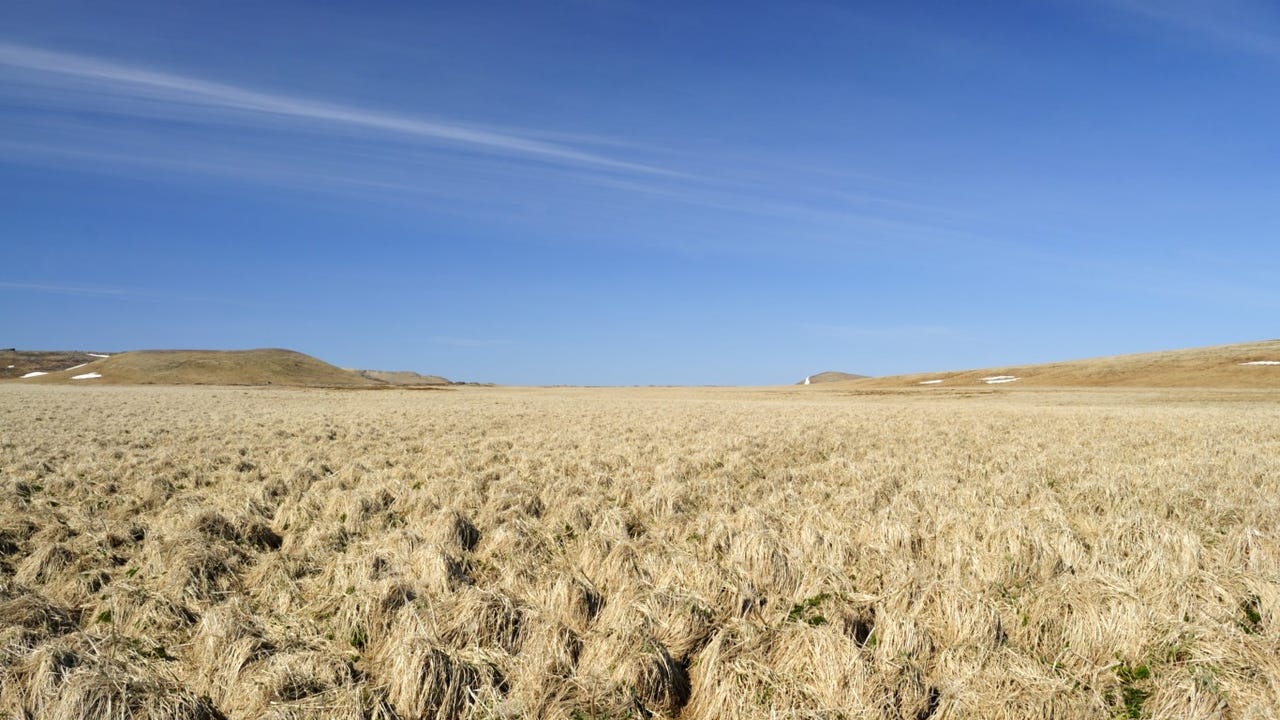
(37, 373)
(86, 376)
(96, 355)
(806, 381)
(8, 367)
(75, 367)
(929, 382)
(1262, 362)
(997, 379)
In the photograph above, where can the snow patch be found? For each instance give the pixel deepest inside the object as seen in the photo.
(87, 376)
(37, 373)
(96, 355)
(997, 379)
(1261, 362)
(929, 382)
(75, 367)
(806, 381)
(8, 367)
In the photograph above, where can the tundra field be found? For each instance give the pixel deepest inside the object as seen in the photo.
(209, 552)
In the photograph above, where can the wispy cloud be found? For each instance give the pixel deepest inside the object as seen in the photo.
(1240, 25)
(468, 342)
(94, 114)
(43, 67)
(879, 333)
(62, 289)
(123, 294)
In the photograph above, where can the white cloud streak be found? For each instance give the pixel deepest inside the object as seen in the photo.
(468, 342)
(116, 293)
(55, 68)
(403, 158)
(859, 333)
(62, 289)
(1239, 25)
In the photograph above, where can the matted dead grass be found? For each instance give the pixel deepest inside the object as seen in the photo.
(249, 553)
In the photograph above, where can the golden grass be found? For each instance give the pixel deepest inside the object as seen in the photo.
(246, 553)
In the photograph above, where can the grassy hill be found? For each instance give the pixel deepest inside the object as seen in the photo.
(829, 376)
(16, 363)
(402, 378)
(1245, 365)
(209, 367)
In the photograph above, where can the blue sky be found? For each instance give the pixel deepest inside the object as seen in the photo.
(614, 192)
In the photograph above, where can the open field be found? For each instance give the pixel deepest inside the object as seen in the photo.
(200, 552)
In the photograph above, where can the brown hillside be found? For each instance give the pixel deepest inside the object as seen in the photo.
(830, 376)
(210, 367)
(402, 378)
(16, 363)
(1221, 366)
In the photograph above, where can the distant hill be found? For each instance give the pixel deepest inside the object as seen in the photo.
(15, 363)
(208, 367)
(830, 376)
(1245, 365)
(403, 378)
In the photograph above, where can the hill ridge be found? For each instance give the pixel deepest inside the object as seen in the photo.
(1238, 365)
(829, 376)
(259, 366)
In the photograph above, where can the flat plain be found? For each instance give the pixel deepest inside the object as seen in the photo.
(205, 552)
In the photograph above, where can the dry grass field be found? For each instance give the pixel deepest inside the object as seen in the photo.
(207, 552)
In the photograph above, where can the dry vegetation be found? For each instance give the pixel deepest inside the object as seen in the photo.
(269, 366)
(248, 553)
(1221, 366)
(830, 376)
(16, 363)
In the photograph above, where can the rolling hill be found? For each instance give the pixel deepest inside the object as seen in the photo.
(1245, 365)
(829, 376)
(17, 363)
(402, 378)
(208, 367)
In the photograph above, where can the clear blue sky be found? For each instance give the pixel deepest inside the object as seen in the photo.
(616, 192)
